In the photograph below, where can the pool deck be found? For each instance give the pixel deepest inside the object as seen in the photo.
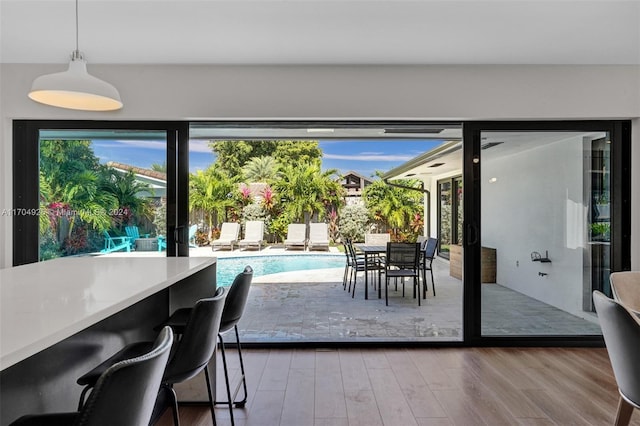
(311, 306)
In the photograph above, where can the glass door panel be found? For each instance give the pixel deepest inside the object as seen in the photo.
(544, 231)
(445, 217)
(102, 192)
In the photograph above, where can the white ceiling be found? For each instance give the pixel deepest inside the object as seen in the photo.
(323, 32)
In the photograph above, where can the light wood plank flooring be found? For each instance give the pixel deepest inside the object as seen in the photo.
(403, 387)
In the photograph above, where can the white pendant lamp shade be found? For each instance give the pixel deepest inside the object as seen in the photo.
(75, 89)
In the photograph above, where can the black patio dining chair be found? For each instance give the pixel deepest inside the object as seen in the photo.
(402, 261)
(427, 254)
(360, 263)
(351, 262)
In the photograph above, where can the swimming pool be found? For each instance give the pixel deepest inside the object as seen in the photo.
(229, 267)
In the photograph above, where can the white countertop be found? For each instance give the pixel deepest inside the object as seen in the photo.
(43, 303)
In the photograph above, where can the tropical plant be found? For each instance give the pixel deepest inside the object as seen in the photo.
(305, 190)
(334, 231)
(133, 204)
(354, 219)
(255, 211)
(160, 219)
(70, 182)
(279, 225)
(159, 167)
(261, 169)
(394, 206)
(211, 191)
(269, 200)
(232, 155)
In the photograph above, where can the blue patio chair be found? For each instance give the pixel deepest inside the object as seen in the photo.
(162, 242)
(132, 232)
(192, 235)
(112, 244)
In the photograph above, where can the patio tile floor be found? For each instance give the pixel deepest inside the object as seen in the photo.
(311, 306)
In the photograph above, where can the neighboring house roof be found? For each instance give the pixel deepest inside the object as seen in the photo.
(366, 180)
(156, 180)
(139, 170)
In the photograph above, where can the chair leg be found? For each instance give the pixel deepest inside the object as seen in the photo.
(416, 286)
(241, 404)
(433, 283)
(344, 277)
(211, 402)
(625, 410)
(229, 402)
(386, 290)
(174, 405)
(424, 282)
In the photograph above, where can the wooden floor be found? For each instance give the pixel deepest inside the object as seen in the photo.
(478, 386)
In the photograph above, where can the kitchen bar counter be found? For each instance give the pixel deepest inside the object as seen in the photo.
(61, 316)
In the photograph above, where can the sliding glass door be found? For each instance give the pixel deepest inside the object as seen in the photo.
(546, 230)
(82, 188)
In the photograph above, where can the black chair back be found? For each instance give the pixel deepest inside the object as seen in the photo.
(198, 342)
(236, 299)
(126, 392)
(621, 331)
(403, 255)
(430, 248)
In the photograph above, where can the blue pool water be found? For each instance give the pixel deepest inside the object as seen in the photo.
(228, 268)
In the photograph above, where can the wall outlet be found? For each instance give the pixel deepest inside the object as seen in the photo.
(517, 263)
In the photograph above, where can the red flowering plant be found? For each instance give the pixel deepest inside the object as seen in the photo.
(268, 199)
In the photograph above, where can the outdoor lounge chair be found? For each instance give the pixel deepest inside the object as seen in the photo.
(133, 233)
(253, 234)
(318, 236)
(228, 236)
(112, 244)
(296, 236)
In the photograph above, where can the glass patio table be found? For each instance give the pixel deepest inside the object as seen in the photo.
(370, 251)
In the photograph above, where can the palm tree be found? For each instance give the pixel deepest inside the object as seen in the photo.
(261, 169)
(396, 207)
(87, 201)
(211, 192)
(305, 189)
(130, 195)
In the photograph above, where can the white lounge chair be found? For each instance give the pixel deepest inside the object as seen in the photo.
(228, 236)
(253, 234)
(318, 236)
(296, 236)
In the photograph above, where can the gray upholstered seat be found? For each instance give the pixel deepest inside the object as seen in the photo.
(190, 356)
(124, 394)
(233, 309)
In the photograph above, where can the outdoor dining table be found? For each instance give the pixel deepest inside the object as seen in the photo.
(370, 250)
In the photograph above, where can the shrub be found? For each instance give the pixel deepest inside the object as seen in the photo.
(353, 222)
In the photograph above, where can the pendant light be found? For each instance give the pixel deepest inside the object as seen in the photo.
(75, 88)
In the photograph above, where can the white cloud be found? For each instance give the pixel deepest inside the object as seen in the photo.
(198, 145)
(368, 157)
(157, 145)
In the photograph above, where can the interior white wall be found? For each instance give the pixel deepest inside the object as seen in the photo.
(456, 92)
(537, 204)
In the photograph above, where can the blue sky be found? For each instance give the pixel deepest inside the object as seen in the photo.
(362, 156)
